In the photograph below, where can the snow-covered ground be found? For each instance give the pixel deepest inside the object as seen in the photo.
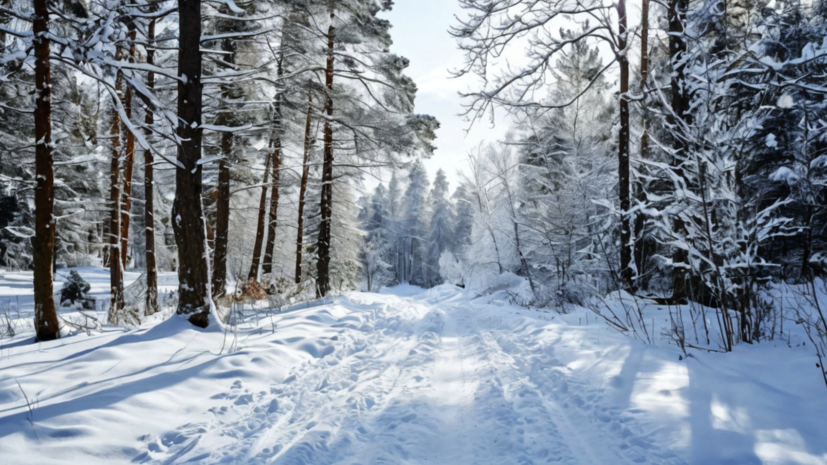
(407, 376)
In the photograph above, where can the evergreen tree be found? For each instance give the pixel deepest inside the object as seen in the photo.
(414, 223)
(440, 235)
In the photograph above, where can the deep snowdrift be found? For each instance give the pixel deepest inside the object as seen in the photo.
(407, 376)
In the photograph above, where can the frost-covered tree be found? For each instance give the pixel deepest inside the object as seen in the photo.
(464, 206)
(414, 226)
(377, 253)
(440, 228)
(494, 26)
(381, 123)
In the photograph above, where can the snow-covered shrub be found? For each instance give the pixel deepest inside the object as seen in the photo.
(450, 269)
(75, 293)
(6, 322)
(376, 269)
(571, 293)
(809, 310)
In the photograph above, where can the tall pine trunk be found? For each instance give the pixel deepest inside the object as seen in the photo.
(222, 204)
(43, 243)
(323, 248)
(626, 272)
(644, 71)
(682, 287)
(187, 212)
(308, 145)
(129, 161)
(116, 302)
(222, 219)
(640, 220)
(149, 189)
(262, 214)
(272, 225)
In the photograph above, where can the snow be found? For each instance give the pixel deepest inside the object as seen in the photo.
(785, 174)
(405, 376)
(17, 294)
(785, 101)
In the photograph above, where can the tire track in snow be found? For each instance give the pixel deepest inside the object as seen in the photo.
(314, 416)
(420, 380)
(529, 439)
(602, 434)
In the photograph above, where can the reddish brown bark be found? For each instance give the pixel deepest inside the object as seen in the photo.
(323, 247)
(272, 226)
(262, 213)
(308, 145)
(129, 162)
(149, 189)
(187, 212)
(43, 243)
(222, 219)
(222, 203)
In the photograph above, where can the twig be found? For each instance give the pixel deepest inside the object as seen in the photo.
(28, 405)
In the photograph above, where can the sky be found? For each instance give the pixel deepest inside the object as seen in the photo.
(420, 33)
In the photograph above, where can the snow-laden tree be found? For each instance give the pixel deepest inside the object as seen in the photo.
(440, 228)
(464, 207)
(494, 27)
(347, 241)
(370, 123)
(231, 68)
(413, 220)
(565, 167)
(720, 203)
(377, 253)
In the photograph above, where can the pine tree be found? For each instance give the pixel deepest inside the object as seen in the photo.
(45, 319)
(414, 222)
(187, 214)
(440, 235)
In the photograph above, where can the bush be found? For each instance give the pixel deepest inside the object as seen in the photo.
(75, 293)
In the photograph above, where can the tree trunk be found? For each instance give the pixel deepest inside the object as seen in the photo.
(677, 48)
(149, 189)
(222, 219)
(272, 226)
(308, 145)
(222, 203)
(626, 272)
(129, 162)
(680, 113)
(323, 265)
(116, 302)
(644, 70)
(187, 213)
(807, 243)
(43, 243)
(640, 223)
(262, 213)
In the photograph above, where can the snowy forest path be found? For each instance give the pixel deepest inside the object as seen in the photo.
(429, 378)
